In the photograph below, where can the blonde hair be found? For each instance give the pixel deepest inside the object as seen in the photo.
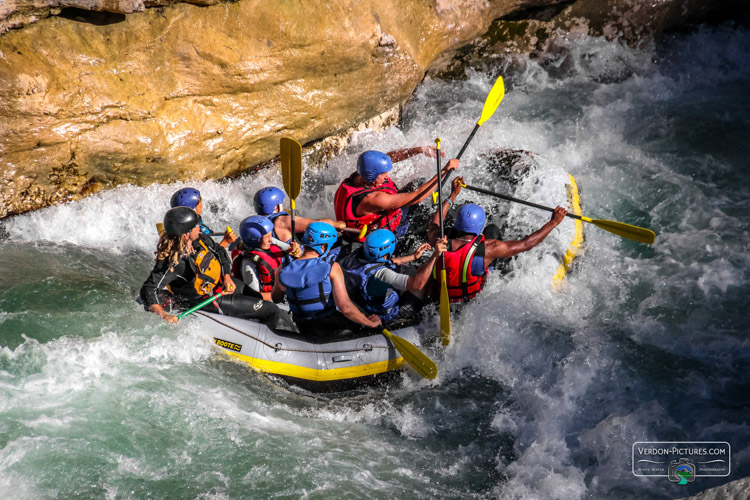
(170, 248)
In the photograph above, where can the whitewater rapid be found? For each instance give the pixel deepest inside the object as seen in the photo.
(543, 391)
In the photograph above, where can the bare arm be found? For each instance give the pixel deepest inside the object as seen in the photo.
(406, 153)
(283, 225)
(411, 258)
(495, 249)
(377, 201)
(156, 308)
(433, 231)
(279, 290)
(344, 303)
(421, 278)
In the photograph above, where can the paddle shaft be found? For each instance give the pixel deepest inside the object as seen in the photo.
(516, 200)
(443, 180)
(621, 229)
(200, 306)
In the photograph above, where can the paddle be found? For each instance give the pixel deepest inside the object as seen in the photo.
(634, 233)
(412, 355)
(200, 306)
(160, 229)
(497, 92)
(291, 172)
(359, 232)
(445, 309)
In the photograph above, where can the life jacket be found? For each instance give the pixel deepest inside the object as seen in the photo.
(207, 269)
(272, 218)
(348, 198)
(462, 284)
(266, 263)
(308, 287)
(357, 275)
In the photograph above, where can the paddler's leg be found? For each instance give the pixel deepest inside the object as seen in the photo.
(410, 306)
(242, 306)
(335, 324)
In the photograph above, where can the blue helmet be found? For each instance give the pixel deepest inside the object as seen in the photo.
(470, 218)
(266, 199)
(186, 197)
(371, 164)
(379, 245)
(318, 234)
(253, 228)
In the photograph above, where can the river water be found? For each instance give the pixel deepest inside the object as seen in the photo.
(542, 392)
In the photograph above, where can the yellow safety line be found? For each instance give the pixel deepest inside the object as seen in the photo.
(278, 368)
(576, 246)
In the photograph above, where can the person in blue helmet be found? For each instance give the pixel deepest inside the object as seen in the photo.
(315, 287)
(369, 196)
(191, 198)
(269, 202)
(190, 267)
(373, 280)
(472, 247)
(259, 254)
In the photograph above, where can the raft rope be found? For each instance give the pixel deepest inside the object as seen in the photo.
(278, 347)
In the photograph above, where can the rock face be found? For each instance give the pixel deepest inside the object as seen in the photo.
(543, 31)
(89, 100)
(96, 93)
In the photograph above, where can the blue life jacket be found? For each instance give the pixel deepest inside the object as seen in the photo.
(271, 217)
(308, 287)
(359, 277)
(205, 229)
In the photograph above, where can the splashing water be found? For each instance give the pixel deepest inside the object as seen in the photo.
(541, 394)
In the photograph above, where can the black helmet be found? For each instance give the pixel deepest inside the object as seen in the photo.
(180, 220)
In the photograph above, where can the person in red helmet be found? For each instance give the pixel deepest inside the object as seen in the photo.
(369, 196)
(472, 247)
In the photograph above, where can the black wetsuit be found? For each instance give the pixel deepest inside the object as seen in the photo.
(181, 278)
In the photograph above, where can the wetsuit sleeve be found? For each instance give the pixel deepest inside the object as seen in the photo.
(250, 274)
(153, 289)
(396, 280)
(220, 253)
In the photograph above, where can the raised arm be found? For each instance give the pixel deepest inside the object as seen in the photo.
(378, 201)
(422, 276)
(433, 231)
(496, 249)
(344, 303)
(406, 153)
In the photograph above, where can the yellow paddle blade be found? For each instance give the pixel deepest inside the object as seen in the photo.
(412, 355)
(291, 166)
(634, 233)
(445, 310)
(493, 100)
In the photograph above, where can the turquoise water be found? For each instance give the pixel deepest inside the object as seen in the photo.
(543, 391)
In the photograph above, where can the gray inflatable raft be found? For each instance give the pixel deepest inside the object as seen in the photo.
(318, 364)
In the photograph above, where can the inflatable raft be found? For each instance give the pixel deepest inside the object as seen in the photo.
(319, 364)
(339, 363)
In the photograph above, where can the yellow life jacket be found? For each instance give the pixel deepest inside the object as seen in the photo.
(207, 270)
